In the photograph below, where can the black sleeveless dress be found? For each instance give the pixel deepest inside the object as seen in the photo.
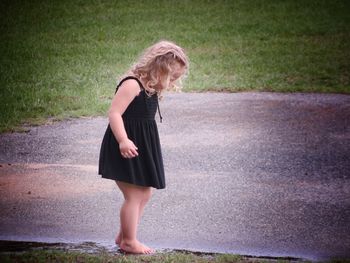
(147, 168)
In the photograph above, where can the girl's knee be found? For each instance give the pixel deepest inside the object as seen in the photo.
(147, 195)
(134, 193)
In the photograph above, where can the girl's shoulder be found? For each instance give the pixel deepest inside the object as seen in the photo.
(131, 80)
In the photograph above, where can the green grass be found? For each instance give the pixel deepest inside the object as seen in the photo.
(54, 256)
(62, 58)
(48, 256)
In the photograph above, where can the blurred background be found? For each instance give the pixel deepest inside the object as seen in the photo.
(63, 58)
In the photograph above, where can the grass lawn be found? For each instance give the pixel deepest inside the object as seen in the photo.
(62, 58)
(49, 256)
(17, 251)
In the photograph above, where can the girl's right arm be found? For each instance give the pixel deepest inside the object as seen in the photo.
(124, 96)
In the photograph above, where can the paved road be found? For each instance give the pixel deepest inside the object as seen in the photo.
(252, 173)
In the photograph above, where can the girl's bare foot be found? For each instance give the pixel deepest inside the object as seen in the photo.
(135, 247)
(118, 239)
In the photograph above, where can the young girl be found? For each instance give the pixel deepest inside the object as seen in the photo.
(130, 151)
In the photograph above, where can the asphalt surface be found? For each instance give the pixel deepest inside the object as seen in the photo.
(260, 174)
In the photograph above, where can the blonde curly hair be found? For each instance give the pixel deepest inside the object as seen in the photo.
(156, 66)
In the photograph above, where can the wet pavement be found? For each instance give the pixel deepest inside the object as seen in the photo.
(260, 174)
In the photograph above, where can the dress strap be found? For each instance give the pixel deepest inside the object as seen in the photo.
(129, 77)
(141, 86)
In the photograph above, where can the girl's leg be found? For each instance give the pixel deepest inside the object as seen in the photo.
(119, 237)
(136, 198)
(146, 198)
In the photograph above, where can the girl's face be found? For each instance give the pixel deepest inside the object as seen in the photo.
(168, 80)
(175, 73)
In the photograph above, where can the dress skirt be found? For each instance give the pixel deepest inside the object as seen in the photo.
(147, 168)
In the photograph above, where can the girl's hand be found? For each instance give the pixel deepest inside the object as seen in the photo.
(128, 149)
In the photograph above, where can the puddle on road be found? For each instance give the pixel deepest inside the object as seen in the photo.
(95, 248)
(84, 247)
